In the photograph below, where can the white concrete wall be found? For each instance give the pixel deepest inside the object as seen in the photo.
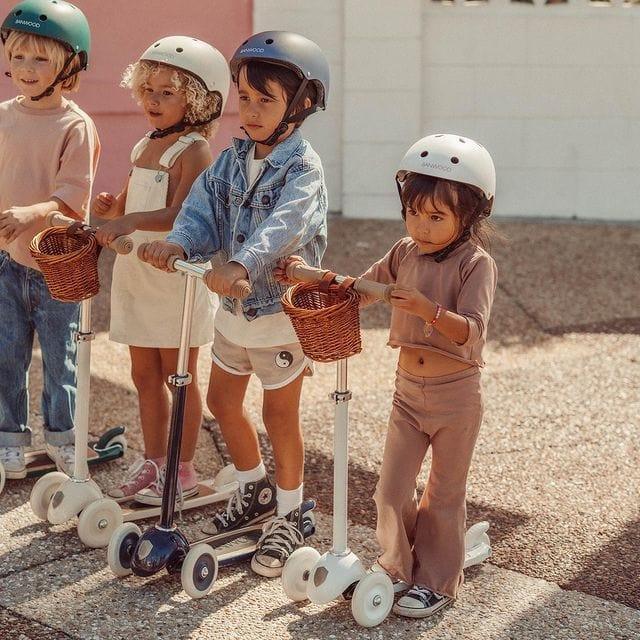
(552, 91)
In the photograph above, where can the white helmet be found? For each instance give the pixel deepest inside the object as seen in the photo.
(451, 157)
(196, 57)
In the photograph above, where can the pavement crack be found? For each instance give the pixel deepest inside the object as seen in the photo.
(522, 308)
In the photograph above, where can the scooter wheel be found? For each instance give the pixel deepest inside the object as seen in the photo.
(225, 477)
(296, 572)
(199, 571)
(372, 599)
(43, 491)
(121, 548)
(3, 475)
(98, 521)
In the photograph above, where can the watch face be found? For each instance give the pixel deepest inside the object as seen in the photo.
(284, 359)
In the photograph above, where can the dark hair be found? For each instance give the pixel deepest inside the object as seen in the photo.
(467, 203)
(260, 73)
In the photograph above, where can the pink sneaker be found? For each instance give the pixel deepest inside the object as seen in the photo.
(141, 475)
(187, 486)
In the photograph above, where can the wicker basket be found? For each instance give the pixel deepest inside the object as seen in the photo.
(69, 263)
(326, 320)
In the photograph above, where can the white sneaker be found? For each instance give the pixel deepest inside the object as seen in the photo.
(12, 459)
(64, 456)
(399, 586)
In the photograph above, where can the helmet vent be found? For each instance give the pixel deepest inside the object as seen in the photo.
(269, 41)
(179, 49)
(43, 17)
(462, 140)
(157, 44)
(245, 42)
(440, 135)
(424, 154)
(19, 12)
(455, 160)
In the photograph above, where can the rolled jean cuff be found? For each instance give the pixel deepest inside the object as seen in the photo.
(59, 438)
(15, 438)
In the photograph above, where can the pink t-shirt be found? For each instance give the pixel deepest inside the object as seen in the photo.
(464, 282)
(44, 154)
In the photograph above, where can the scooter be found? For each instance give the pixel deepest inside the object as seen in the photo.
(164, 546)
(339, 572)
(54, 496)
(112, 444)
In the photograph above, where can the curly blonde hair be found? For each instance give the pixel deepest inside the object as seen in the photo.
(201, 104)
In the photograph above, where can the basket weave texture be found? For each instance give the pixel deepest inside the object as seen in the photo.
(325, 319)
(69, 263)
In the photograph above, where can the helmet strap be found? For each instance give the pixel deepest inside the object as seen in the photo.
(182, 125)
(61, 77)
(289, 117)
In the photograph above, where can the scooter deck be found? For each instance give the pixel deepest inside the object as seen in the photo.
(241, 544)
(38, 462)
(207, 494)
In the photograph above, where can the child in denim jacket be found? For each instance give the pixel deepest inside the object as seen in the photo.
(48, 155)
(263, 199)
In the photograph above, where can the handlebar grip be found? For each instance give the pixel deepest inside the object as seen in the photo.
(58, 219)
(240, 289)
(304, 273)
(122, 245)
(375, 289)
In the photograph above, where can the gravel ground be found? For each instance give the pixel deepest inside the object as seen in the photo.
(555, 470)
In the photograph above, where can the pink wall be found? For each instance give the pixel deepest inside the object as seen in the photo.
(121, 31)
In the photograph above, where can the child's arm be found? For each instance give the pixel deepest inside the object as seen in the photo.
(193, 162)
(385, 270)
(469, 322)
(195, 235)
(16, 220)
(297, 217)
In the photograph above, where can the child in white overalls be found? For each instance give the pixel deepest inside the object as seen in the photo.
(182, 84)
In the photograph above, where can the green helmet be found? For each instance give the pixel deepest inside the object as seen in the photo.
(55, 19)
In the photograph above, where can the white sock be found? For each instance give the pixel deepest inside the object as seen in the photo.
(253, 475)
(288, 500)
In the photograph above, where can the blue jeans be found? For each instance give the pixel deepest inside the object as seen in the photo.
(26, 306)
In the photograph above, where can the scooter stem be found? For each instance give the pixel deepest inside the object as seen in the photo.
(84, 337)
(341, 397)
(179, 382)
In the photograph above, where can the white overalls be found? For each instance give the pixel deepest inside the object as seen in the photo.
(146, 303)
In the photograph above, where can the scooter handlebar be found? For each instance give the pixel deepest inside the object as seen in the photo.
(122, 244)
(304, 273)
(240, 288)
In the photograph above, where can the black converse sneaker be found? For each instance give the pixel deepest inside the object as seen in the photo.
(280, 537)
(420, 602)
(255, 504)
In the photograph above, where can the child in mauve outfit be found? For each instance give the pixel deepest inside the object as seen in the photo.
(49, 151)
(444, 287)
(181, 83)
(262, 199)
(445, 284)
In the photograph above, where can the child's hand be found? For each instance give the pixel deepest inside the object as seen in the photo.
(108, 232)
(15, 220)
(225, 276)
(157, 253)
(103, 205)
(412, 301)
(280, 270)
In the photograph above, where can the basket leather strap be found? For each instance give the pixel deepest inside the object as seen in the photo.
(327, 278)
(81, 229)
(347, 283)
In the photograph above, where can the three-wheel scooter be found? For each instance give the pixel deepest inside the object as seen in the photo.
(67, 254)
(57, 498)
(164, 546)
(325, 315)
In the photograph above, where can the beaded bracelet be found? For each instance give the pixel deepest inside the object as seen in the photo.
(428, 326)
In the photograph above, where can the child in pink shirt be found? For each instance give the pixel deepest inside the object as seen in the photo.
(48, 155)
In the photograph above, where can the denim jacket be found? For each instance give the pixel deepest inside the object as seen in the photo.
(284, 213)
